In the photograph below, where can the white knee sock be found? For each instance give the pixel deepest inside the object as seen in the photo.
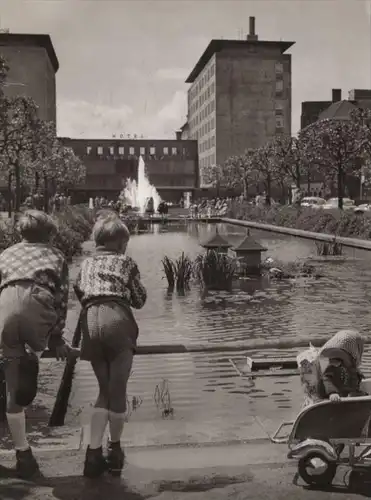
(116, 425)
(98, 424)
(17, 427)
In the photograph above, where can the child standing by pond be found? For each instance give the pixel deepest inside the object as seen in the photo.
(108, 285)
(33, 307)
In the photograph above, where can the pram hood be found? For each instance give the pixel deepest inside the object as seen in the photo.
(344, 345)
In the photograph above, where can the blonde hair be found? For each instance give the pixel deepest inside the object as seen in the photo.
(110, 231)
(36, 226)
(105, 213)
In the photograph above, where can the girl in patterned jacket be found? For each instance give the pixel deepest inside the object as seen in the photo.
(108, 286)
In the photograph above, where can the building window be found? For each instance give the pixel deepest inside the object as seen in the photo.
(166, 150)
(279, 87)
(88, 150)
(279, 108)
(152, 150)
(131, 150)
(112, 150)
(142, 151)
(100, 150)
(279, 122)
(279, 68)
(121, 150)
(174, 151)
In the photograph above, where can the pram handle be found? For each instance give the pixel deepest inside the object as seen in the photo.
(281, 440)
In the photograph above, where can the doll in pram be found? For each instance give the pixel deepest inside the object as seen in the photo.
(325, 428)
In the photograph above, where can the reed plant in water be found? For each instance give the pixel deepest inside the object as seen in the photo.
(169, 270)
(215, 270)
(183, 272)
(179, 272)
(329, 249)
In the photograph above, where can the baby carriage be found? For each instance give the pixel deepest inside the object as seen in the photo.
(323, 429)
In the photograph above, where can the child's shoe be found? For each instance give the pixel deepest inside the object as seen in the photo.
(115, 459)
(27, 466)
(95, 464)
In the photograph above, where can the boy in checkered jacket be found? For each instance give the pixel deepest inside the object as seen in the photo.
(33, 307)
(109, 285)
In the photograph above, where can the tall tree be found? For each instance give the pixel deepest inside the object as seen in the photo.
(285, 159)
(65, 170)
(338, 147)
(240, 171)
(18, 124)
(265, 166)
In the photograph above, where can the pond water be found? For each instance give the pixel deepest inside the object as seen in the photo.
(204, 384)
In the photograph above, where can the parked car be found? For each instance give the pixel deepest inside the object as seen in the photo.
(333, 203)
(313, 202)
(360, 209)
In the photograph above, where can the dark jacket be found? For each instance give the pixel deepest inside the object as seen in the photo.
(340, 380)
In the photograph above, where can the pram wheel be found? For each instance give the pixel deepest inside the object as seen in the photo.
(316, 470)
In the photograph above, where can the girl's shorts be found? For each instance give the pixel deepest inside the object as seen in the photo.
(27, 317)
(108, 329)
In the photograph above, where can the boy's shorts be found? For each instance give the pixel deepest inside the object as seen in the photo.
(108, 329)
(27, 317)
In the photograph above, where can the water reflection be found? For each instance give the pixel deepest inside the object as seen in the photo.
(204, 384)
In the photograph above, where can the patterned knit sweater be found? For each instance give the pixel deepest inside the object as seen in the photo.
(43, 264)
(110, 274)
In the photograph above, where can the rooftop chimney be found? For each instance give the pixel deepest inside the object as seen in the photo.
(252, 36)
(178, 135)
(336, 95)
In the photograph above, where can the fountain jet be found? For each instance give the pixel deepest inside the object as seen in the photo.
(136, 194)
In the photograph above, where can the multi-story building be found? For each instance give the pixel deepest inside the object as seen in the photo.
(171, 165)
(33, 65)
(239, 97)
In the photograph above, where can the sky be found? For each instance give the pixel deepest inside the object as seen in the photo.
(123, 63)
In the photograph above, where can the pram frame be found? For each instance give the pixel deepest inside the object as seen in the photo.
(357, 462)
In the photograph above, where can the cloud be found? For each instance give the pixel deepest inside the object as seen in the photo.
(171, 74)
(82, 119)
(175, 109)
(85, 119)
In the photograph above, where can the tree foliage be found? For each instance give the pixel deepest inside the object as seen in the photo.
(29, 148)
(338, 148)
(265, 166)
(285, 157)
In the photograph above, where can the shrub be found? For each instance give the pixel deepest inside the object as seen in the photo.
(338, 222)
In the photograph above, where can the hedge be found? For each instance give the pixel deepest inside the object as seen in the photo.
(338, 222)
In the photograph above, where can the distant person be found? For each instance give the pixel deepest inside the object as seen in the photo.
(150, 207)
(297, 197)
(163, 208)
(260, 200)
(108, 286)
